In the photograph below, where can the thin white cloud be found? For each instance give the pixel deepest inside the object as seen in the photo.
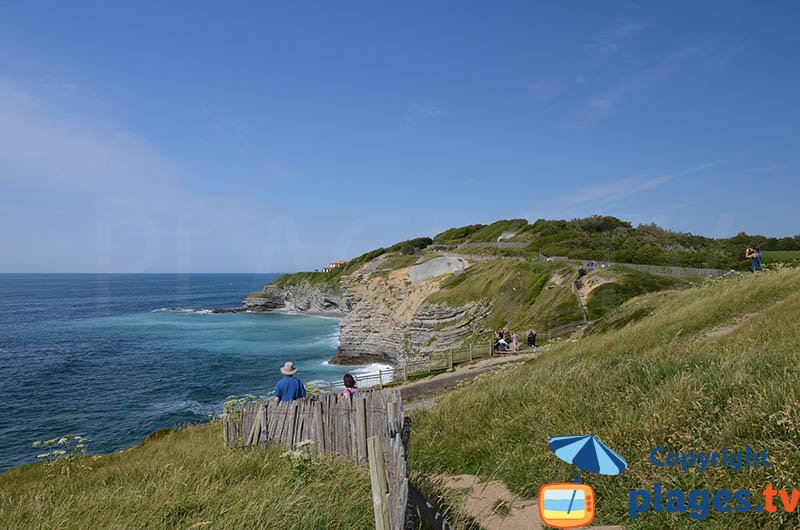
(611, 39)
(601, 104)
(82, 194)
(606, 194)
(416, 113)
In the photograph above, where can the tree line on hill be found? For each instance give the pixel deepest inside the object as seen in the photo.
(608, 238)
(599, 238)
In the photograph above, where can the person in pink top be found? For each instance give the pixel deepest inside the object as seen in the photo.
(350, 387)
(514, 342)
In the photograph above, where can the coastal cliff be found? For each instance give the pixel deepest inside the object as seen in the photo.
(384, 314)
(390, 320)
(303, 297)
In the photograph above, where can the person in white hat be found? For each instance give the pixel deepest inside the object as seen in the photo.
(289, 388)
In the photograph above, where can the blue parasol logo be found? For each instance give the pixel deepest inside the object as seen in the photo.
(572, 505)
(588, 453)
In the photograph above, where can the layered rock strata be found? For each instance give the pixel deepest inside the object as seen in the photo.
(384, 315)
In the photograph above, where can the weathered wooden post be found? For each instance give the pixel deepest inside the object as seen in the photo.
(380, 488)
(320, 445)
(361, 429)
(450, 361)
(255, 430)
(330, 387)
(380, 379)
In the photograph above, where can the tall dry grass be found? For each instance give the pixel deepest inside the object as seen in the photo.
(186, 479)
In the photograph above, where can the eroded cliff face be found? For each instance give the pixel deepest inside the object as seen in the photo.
(384, 305)
(300, 298)
(441, 327)
(384, 314)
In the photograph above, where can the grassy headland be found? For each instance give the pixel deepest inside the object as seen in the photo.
(601, 238)
(524, 290)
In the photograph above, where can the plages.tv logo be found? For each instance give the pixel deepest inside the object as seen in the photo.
(572, 504)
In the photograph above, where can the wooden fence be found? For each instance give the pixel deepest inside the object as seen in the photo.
(495, 244)
(364, 429)
(565, 330)
(438, 362)
(666, 270)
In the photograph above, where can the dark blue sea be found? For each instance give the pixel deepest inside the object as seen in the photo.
(114, 357)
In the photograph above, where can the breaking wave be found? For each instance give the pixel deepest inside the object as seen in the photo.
(188, 405)
(187, 310)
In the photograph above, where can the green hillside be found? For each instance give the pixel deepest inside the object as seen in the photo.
(624, 284)
(611, 239)
(184, 478)
(601, 238)
(525, 290)
(699, 369)
(331, 280)
(521, 293)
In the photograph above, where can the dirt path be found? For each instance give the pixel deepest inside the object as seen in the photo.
(370, 267)
(447, 380)
(589, 283)
(494, 507)
(721, 331)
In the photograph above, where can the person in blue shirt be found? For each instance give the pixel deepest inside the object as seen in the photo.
(754, 255)
(289, 388)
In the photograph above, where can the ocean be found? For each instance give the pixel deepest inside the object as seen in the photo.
(114, 357)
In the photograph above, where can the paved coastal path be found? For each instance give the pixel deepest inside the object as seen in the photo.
(414, 390)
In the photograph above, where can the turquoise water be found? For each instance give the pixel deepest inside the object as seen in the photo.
(115, 357)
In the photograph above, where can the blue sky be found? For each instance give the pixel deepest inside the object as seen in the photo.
(207, 136)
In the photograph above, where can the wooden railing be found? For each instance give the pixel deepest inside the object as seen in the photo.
(365, 429)
(669, 270)
(565, 330)
(439, 362)
(664, 270)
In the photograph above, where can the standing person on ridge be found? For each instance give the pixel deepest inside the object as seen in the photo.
(514, 342)
(754, 255)
(289, 388)
(531, 338)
